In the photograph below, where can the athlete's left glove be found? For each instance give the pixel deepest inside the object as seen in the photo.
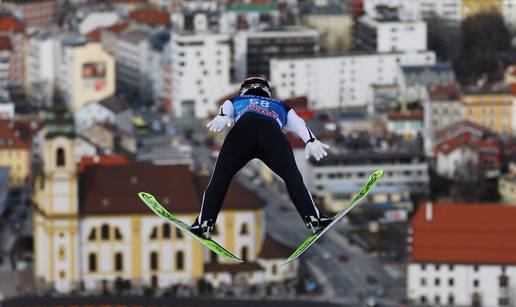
(316, 149)
(219, 123)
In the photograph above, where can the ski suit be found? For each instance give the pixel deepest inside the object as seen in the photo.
(257, 133)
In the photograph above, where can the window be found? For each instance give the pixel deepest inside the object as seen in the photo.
(154, 261)
(437, 300)
(437, 281)
(245, 253)
(62, 253)
(450, 282)
(92, 262)
(451, 299)
(60, 157)
(118, 234)
(166, 231)
(180, 261)
(179, 234)
(437, 266)
(503, 301)
(104, 232)
(504, 281)
(274, 269)
(423, 266)
(244, 229)
(154, 233)
(119, 263)
(93, 234)
(475, 268)
(475, 283)
(422, 299)
(423, 282)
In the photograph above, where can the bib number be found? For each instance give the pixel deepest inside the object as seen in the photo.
(262, 103)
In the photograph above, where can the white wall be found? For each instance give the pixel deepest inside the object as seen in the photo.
(92, 113)
(97, 20)
(340, 81)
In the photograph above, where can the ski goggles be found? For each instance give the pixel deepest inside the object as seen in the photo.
(252, 86)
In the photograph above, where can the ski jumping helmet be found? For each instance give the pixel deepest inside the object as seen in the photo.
(256, 86)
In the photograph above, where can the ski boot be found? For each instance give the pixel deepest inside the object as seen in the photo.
(315, 224)
(202, 230)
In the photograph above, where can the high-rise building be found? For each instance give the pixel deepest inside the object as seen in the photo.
(254, 49)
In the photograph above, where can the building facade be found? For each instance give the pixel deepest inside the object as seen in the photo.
(473, 266)
(34, 13)
(354, 75)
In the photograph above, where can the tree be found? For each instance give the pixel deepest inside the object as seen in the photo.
(443, 38)
(485, 49)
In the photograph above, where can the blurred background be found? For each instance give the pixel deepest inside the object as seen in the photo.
(100, 100)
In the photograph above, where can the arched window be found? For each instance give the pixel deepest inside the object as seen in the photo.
(92, 262)
(154, 233)
(118, 234)
(244, 229)
(104, 232)
(213, 257)
(180, 261)
(60, 157)
(274, 269)
(93, 234)
(154, 261)
(119, 263)
(245, 253)
(166, 231)
(179, 234)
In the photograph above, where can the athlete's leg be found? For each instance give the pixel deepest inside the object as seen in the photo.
(276, 152)
(236, 151)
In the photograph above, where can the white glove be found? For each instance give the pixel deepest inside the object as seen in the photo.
(317, 149)
(219, 123)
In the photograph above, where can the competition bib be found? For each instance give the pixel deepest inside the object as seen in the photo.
(269, 107)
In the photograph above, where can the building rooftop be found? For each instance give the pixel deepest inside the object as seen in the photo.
(151, 17)
(9, 23)
(464, 233)
(115, 104)
(11, 137)
(133, 36)
(274, 249)
(323, 7)
(444, 92)
(87, 161)
(497, 89)
(397, 116)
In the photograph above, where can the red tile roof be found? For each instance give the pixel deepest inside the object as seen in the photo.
(117, 28)
(444, 92)
(12, 137)
(102, 160)
(151, 17)
(465, 233)
(274, 249)
(95, 34)
(5, 43)
(9, 23)
(418, 115)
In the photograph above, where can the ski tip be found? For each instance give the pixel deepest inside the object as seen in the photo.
(143, 194)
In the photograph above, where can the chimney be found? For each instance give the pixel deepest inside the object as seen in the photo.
(429, 211)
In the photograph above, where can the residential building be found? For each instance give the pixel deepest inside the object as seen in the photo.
(15, 152)
(465, 147)
(87, 72)
(405, 169)
(159, 62)
(507, 185)
(332, 20)
(107, 233)
(492, 108)
(43, 65)
(254, 49)
(6, 52)
(91, 113)
(509, 14)
(414, 80)
(408, 125)
(97, 20)
(473, 7)
(123, 114)
(352, 77)
(473, 266)
(419, 9)
(14, 29)
(389, 34)
(34, 13)
(6, 106)
(442, 108)
(109, 37)
(132, 57)
(200, 72)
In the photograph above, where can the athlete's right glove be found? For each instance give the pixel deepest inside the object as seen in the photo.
(219, 123)
(316, 149)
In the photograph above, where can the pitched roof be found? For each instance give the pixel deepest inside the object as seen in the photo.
(9, 23)
(237, 197)
(444, 92)
(115, 104)
(87, 161)
(113, 189)
(5, 43)
(151, 17)
(11, 136)
(274, 249)
(118, 27)
(95, 34)
(465, 233)
(458, 128)
(233, 268)
(418, 115)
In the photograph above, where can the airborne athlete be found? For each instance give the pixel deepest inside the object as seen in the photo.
(259, 120)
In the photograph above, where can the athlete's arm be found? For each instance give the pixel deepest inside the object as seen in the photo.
(223, 119)
(297, 125)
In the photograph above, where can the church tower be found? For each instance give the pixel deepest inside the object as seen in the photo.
(56, 219)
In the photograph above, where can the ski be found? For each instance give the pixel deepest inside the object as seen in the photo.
(368, 186)
(155, 206)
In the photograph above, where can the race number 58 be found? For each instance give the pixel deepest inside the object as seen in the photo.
(262, 103)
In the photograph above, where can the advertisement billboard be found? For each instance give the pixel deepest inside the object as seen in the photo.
(94, 76)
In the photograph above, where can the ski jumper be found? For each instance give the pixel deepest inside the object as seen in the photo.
(257, 133)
